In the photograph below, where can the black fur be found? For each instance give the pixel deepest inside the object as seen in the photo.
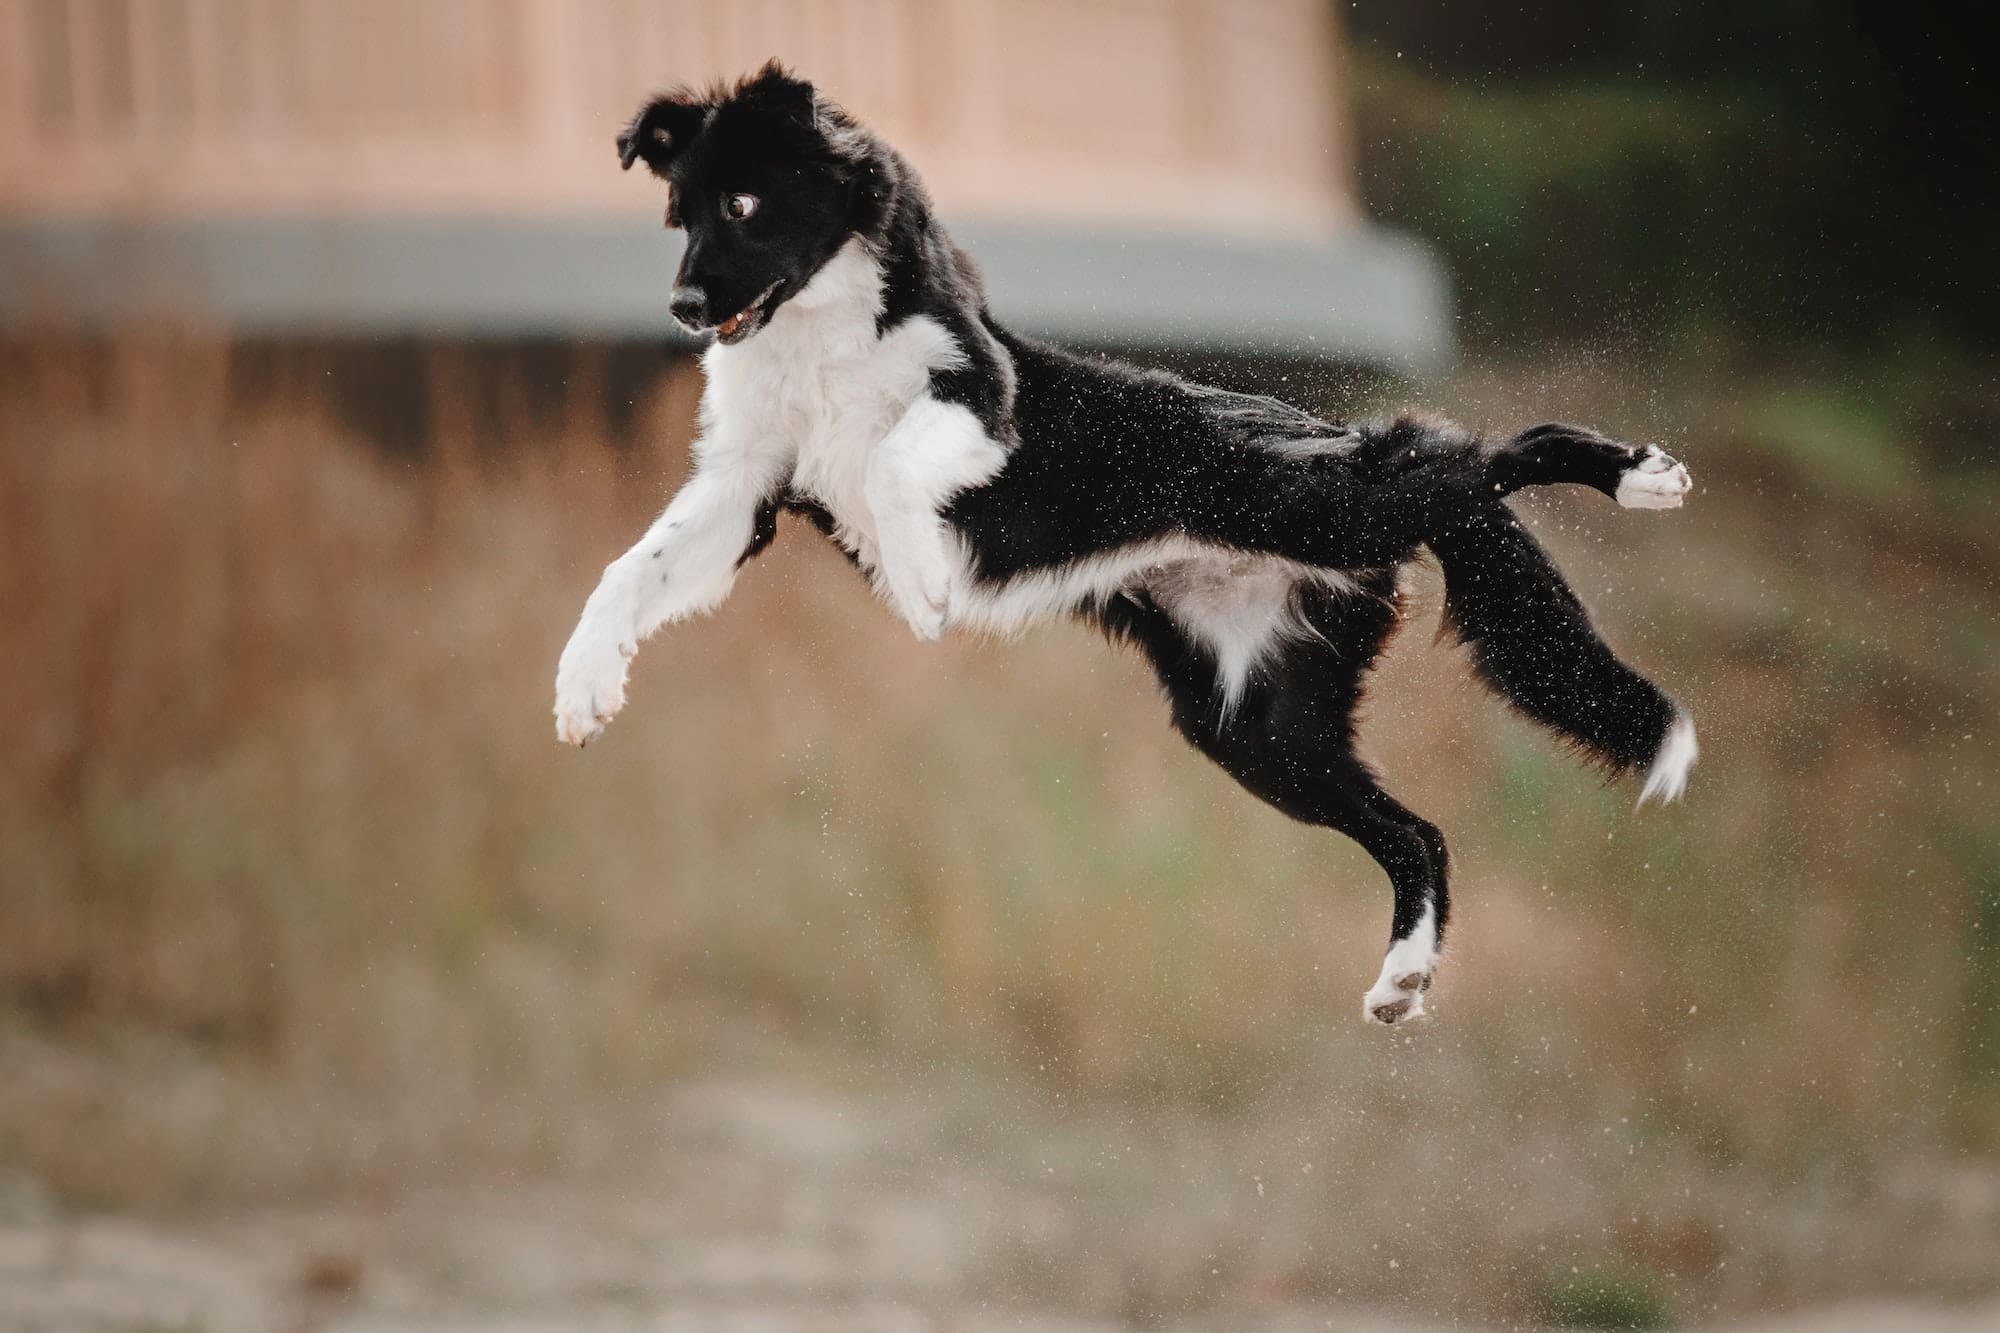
(1102, 455)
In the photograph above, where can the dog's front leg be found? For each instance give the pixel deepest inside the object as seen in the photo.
(935, 451)
(684, 565)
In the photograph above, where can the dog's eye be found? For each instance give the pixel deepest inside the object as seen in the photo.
(739, 206)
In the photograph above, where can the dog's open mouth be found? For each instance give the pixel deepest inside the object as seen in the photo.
(747, 320)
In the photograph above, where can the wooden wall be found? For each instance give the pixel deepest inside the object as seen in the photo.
(1179, 114)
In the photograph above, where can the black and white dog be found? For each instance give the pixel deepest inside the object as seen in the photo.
(985, 481)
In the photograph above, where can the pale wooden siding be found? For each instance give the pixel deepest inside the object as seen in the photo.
(1179, 113)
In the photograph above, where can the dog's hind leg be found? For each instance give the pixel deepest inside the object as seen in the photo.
(1411, 850)
(1415, 480)
(1637, 476)
(1407, 480)
(1289, 739)
(1534, 645)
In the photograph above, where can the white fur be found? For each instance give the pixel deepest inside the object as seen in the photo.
(821, 377)
(1654, 481)
(1239, 607)
(1043, 594)
(1398, 993)
(934, 452)
(869, 442)
(1667, 775)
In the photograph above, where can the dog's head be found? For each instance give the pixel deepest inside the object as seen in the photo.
(768, 180)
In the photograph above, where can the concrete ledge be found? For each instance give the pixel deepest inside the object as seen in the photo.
(1369, 297)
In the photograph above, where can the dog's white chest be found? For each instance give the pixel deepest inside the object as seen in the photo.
(841, 410)
(852, 407)
(865, 453)
(821, 379)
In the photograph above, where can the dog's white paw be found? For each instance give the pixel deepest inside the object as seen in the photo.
(927, 620)
(1654, 480)
(1398, 994)
(922, 599)
(590, 683)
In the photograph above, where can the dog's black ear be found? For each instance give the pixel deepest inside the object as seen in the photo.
(779, 92)
(661, 130)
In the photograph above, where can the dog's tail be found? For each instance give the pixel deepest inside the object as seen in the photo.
(1532, 643)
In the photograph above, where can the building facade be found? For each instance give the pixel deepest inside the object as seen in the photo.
(1173, 173)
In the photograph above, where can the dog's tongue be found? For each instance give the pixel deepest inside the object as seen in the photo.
(729, 326)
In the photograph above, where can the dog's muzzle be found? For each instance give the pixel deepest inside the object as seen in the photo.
(689, 307)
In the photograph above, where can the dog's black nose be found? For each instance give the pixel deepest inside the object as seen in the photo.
(689, 305)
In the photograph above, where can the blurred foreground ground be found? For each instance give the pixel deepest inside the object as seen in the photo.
(855, 974)
(762, 1206)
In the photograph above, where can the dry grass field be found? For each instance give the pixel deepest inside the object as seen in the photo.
(301, 904)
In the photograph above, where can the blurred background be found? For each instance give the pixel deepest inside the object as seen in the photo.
(853, 983)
